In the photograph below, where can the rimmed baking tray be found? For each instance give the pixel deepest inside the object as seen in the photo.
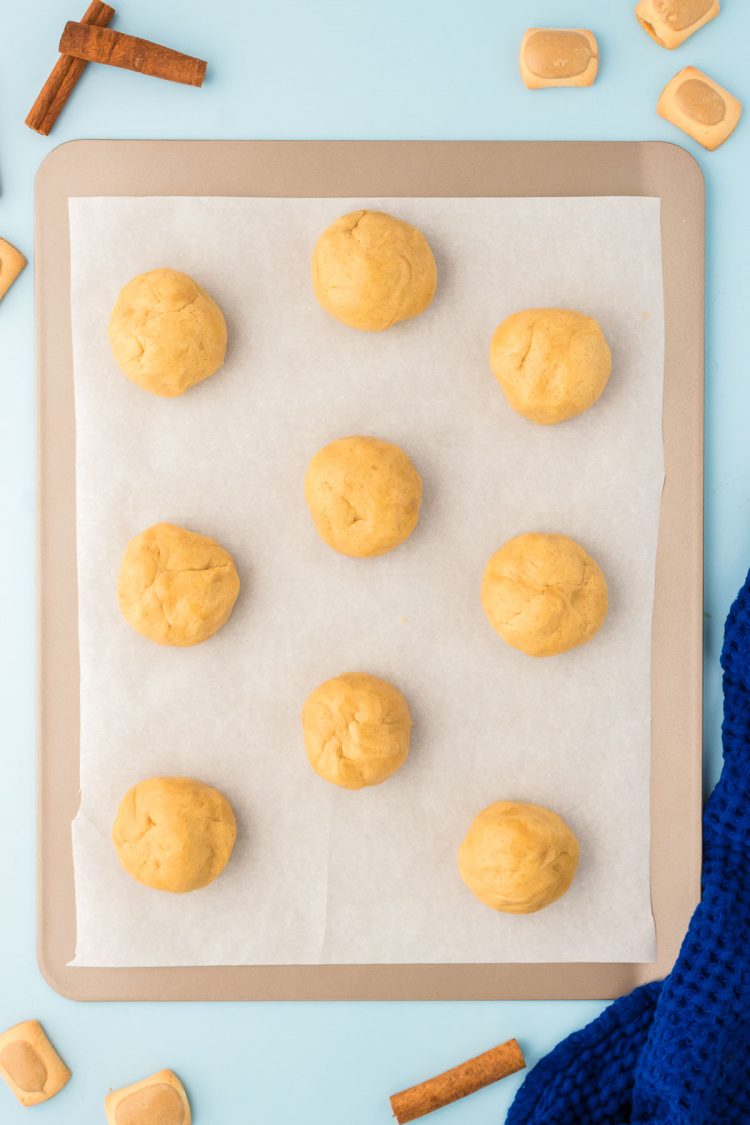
(378, 168)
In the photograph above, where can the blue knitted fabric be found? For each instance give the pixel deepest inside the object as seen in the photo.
(677, 1052)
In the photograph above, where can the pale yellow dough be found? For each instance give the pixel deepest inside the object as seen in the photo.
(552, 364)
(544, 594)
(356, 729)
(371, 270)
(176, 587)
(30, 1064)
(518, 858)
(364, 495)
(159, 1099)
(166, 333)
(174, 834)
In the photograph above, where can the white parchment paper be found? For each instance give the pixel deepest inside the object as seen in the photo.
(322, 875)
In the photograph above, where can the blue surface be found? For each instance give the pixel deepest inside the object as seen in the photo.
(296, 69)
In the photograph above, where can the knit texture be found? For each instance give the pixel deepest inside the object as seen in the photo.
(677, 1052)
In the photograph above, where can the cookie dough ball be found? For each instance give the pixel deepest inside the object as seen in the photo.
(364, 495)
(544, 594)
(176, 587)
(166, 333)
(518, 858)
(356, 730)
(174, 834)
(551, 363)
(371, 270)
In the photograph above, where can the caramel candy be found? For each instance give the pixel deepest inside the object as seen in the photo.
(30, 1064)
(12, 262)
(558, 57)
(158, 1100)
(671, 22)
(700, 107)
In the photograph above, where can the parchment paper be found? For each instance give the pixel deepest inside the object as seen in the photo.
(322, 875)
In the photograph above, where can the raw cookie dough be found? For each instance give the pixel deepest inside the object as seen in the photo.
(371, 270)
(174, 834)
(544, 594)
(552, 56)
(12, 263)
(356, 730)
(552, 364)
(176, 587)
(157, 1100)
(700, 107)
(671, 22)
(364, 495)
(166, 333)
(30, 1064)
(518, 858)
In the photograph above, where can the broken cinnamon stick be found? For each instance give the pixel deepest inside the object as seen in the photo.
(458, 1083)
(63, 77)
(100, 44)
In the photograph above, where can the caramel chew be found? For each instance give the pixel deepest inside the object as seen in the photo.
(157, 1100)
(63, 77)
(700, 107)
(30, 1064)
(671, 22)
(458, 1083)
(102, 45)
(558, 57)
(12, 262)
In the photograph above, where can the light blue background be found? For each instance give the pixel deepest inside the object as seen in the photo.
(317, 69)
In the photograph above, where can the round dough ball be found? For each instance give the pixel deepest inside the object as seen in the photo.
(551, 363)
(176, 587)
(356, 730)
(544, 594)
(371, 270)
(364, 495)
(518, 858)
(174, 834)
(166, 333)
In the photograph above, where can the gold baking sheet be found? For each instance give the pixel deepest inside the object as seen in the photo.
(306, 169)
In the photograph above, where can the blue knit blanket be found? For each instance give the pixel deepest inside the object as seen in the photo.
(677, 1052)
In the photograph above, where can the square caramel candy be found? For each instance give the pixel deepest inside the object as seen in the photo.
(700, 107)
(157, 1100)
(30, 1064)
(671, 22)
(552, 56)
(12, 262)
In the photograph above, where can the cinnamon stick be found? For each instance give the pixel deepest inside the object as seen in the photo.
(63, 77)
(100, 44)
(458, 1083)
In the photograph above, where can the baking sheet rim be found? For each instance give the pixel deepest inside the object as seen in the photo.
(338, 168)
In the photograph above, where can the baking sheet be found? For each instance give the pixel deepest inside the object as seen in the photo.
(321, 875)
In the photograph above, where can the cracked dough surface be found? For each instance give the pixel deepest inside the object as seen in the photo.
(356, 729)
(176, 587)
(544, 594)
(364, 495)
(166, 333)
(518, 858)
(552, 364)
(370, 270)
(174, 834)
